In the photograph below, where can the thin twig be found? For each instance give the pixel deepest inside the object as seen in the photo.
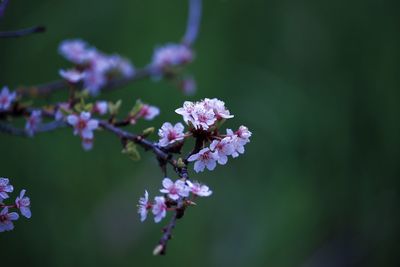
(22, 32)
(3, 6)
(193, 23)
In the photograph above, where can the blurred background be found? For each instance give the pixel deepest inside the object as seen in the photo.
(317, 82)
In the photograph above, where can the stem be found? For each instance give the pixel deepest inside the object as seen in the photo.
(22, 32)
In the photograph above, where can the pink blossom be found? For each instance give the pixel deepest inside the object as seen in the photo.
(6, 219)
(83, 124)
(186, 111)
(203, 118)
(74, 50)
(205, 158)
(198, 189)
(236, 142)
(5, 188)
(72, 75)
(144, 205)
(149, 112)
(23, 204)
(159, 209)
(218, 108)
(171, 55)
(101, 107)
(33, 122)
(244, 134)
(6, 98)
(170, 134)
(174, 190)
(223, 149)
(87, 144)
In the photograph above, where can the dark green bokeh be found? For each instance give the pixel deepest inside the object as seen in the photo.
(317, 82)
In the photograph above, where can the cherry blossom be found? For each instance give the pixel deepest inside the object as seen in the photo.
(223, 149)
(205, 158)
(6, 219)
(33, 122)
(23, 204)
(159, 209)
(83, 124)
(171, 55)
(144, 205)
(149, 112)
(87, 144)
(74, 50)
(6, 98)
(121, 65)
(244, 134)
(174, 190)
(218, 108)
(198, 189)
(170, 134)
(72, 75)
(5, 188)
(236, 142)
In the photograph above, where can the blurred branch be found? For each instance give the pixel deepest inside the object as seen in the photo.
(192, 29)
(22, 32)
(3, 6)
(193, 23)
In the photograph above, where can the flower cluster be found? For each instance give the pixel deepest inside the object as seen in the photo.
(22, 203)
(6, 98)
(174, 192)
(93, 67)
(171, 55)
(204, 119)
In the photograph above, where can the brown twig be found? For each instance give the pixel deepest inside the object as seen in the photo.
(22, 32)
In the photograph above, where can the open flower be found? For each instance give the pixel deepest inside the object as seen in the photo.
(33, 122)
(205, 158)
(236, 142)
(74, 50)
(170, 134)
(5, 188)
(174, 190)
(223, 149)
(83, 124)
(143, 207)
(198, 189)
(6, 219)
(6, 98)
(218, 108)
(23, 203)
(159, 209)
(243, 134)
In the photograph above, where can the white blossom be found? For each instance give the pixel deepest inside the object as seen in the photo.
(143, 207)
(72, 75)
(198, 189)
(6, 219)
(6, 98)
(205, 158)
(174, 190)
(169, 134)
(223, 149)
(23, 203)
(159, 209)
(83, 124)
(171, 55)
(149, 112)
(5, 188)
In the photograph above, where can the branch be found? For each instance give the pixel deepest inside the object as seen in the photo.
(3, 6)
(22, 32)
(193, 23)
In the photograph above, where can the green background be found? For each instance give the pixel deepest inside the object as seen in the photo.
(317, 82)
